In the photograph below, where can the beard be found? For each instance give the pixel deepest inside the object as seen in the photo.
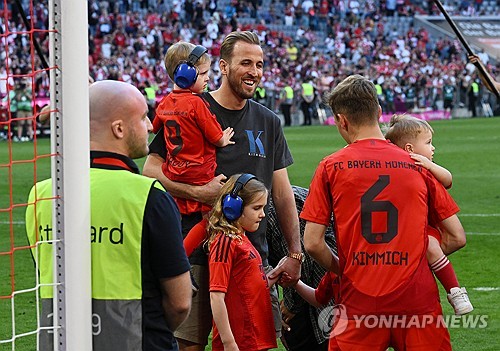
(137, 146)
(238, 87)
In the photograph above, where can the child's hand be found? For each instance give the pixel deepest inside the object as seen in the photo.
(421, 160)
(286, 316)
(227, 134)
(271, 282)
(285, 279)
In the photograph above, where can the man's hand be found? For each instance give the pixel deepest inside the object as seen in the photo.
(208, 193)
(291, 269)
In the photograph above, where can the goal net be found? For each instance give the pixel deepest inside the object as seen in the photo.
(43, 61)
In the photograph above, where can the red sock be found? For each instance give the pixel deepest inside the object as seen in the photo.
(443, 270)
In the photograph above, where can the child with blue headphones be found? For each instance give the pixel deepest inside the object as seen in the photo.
(191, 131)
(239, 290)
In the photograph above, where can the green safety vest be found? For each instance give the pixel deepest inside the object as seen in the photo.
(287, 95)
(260, 93)
(292, 52)
(308, 89)
(150, 93)
(118, 201)
(288, 92)
(378, 87)
(475, 88)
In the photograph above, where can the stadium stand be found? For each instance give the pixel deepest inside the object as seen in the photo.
(128, 39)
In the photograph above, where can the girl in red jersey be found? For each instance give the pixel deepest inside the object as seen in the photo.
(415, 136)
(239, 291)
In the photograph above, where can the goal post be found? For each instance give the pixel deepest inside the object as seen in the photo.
(70, 174)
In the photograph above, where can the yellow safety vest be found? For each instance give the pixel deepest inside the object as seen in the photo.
(118, 202)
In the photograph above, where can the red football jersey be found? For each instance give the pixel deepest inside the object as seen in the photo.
(236, 268)
(381, 203)
(190, 132)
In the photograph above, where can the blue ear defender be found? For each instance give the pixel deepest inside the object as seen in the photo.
(232, 204)
(186, 73)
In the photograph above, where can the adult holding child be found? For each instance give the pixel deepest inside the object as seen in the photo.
(260, 148)
(382, 202)
(190, 130)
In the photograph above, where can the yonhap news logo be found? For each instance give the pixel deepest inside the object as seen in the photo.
(333, 321)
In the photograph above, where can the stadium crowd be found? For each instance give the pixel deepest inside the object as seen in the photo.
(321, 41)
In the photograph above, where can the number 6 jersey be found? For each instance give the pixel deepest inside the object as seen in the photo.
(382, 203)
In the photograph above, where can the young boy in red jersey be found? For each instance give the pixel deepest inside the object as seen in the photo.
(415, 136)
(191, 131)
(239, 291)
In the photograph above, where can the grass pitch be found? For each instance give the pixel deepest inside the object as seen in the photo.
(469, 148)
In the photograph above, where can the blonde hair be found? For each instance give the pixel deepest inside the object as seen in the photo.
(217, 221)
(405, 129)
(178, 53)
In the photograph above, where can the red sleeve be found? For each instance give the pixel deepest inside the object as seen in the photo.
(207, 122)
(157, 124)
(325, 290)
(157, 120)
(220, 260)
(195, 237)
(318, 204)
(434, 233)
(441, 204)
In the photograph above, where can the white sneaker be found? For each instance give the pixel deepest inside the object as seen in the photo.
(459, 299)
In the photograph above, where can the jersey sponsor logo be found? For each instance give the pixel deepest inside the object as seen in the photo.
(385, 258)
(256, 147)
(172, 113)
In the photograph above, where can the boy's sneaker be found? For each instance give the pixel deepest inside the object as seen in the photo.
(459, 299)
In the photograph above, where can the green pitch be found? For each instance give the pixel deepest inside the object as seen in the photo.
(469, 148)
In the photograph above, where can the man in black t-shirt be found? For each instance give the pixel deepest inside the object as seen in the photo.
(260, 148)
